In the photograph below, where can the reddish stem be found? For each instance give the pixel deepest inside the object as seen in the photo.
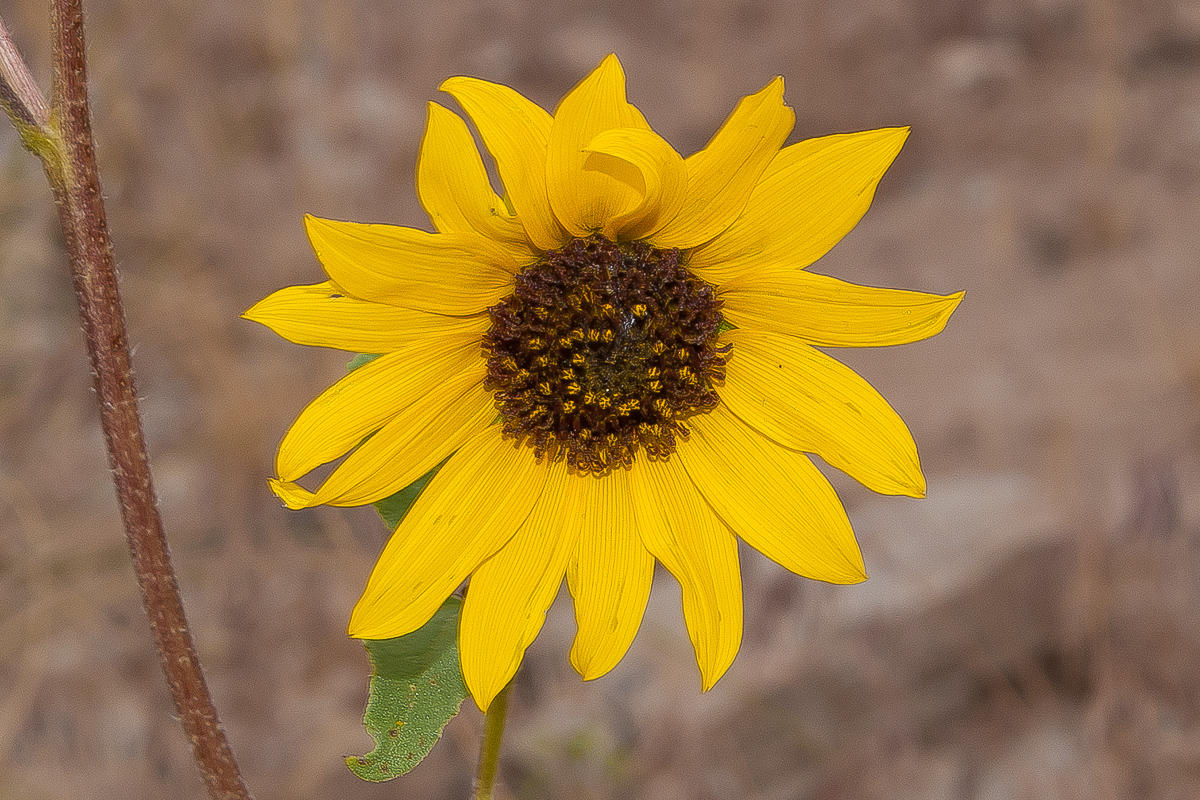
(76, 188)
(19, 94)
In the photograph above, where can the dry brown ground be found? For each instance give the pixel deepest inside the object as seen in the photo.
(1030, 630)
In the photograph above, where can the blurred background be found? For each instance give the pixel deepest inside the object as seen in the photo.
(1030, 630)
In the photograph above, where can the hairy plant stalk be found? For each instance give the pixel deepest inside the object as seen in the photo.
(61, 136)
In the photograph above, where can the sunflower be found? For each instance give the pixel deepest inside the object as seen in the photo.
(617, 363)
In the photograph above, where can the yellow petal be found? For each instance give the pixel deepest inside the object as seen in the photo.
(293, 495)
(509, 594)
(470, 509)
(609, 575)
(370, 396)
(807, 401)
(454, 188)
(774, 498)
(658, 174)
(516, 132)
(812, 194)
(415, 441)
(442, 273)
(584, 200)
(721, 177)
(681, 531)
(322, 315)
(826, 311)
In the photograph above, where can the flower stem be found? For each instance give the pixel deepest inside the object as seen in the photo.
(489, 750)
(19, 95)
(62, 139)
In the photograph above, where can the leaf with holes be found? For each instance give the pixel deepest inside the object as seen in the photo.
(416, 688)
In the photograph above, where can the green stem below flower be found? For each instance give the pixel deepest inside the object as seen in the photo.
(489, 750)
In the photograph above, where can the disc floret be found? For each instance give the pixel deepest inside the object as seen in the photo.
(602, 349)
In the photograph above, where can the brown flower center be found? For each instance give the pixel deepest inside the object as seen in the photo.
(603, 348)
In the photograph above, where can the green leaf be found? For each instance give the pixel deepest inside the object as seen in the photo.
(416, 688)
(393, 508)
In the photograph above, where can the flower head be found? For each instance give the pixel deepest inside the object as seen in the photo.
(617, 361)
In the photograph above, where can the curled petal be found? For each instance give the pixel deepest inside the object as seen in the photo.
(584, 199)
(659, 175)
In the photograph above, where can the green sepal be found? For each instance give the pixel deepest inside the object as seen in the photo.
(361, 359)
(416, 688)
(393, 508)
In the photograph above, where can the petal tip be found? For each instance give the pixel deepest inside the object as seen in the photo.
(368, 623)
(484, 695)
(893, 139)
(293, 495)
(315, 228)
(323, 225)
(587, 664)
(709, 677)
(852, 571)
(916, 486)
(611, 69)
(355, 629)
